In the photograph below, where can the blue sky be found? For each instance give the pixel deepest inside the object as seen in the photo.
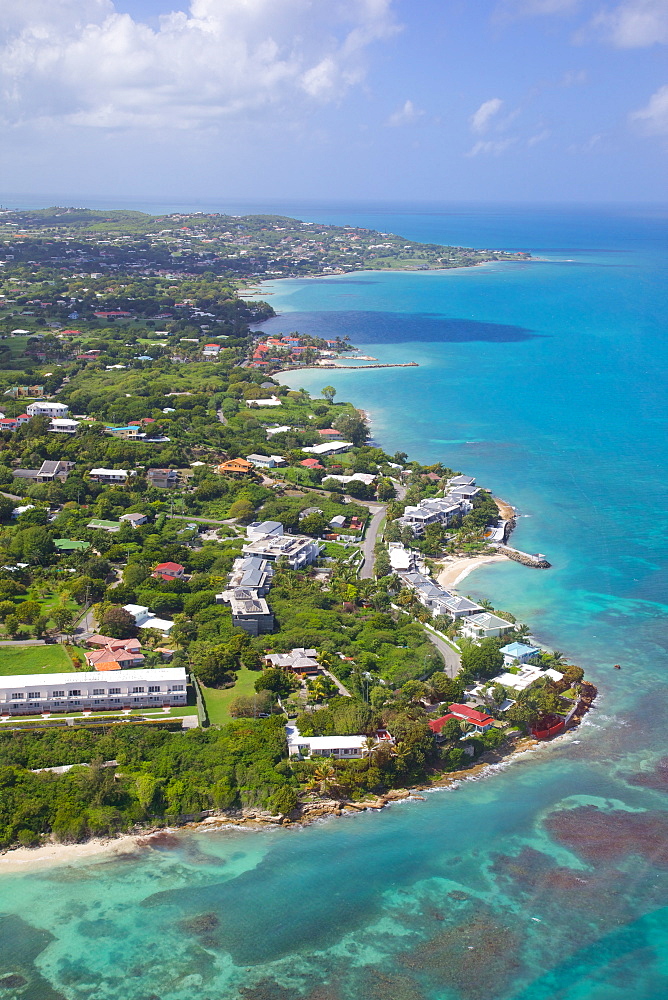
(438, 100)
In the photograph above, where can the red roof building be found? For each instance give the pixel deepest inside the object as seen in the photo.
(311, 463)
(168, 571)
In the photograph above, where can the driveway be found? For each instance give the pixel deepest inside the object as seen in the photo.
(377, 512)
(452, 660)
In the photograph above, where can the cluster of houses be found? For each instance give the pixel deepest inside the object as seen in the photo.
(456, 502)
(251, 576)
(290, 347)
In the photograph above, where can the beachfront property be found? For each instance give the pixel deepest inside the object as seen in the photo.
(438, 600)
(484, 626)
(518, 652)
(272, 544)
(436, 510)
(480, 721)
(524, 676)
(299, 661)
(339, 747)
(146, 619)
(45, 408)
(35, 694)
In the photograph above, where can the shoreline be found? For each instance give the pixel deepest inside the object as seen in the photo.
(455, 569)
(26, 859)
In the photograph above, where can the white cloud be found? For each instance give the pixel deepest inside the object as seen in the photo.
(512, 9)
(82, 62)
(634, 23)
(490, 147)
(653, 118)
(407, 114)
(541, 136)
(481, 119)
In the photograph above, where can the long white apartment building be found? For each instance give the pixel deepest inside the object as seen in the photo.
(33, 694)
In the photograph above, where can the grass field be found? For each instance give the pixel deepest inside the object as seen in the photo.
(218, 701)
(34, 660)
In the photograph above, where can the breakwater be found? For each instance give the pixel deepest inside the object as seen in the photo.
(537, 561)
(347, 368)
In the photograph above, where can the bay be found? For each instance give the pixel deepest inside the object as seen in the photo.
(547, 878)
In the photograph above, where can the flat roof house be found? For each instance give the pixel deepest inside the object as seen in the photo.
(249, 612)
(297, 550)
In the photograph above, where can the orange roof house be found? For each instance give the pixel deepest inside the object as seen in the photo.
(235, 467)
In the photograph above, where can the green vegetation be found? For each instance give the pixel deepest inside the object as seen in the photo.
(218, 700)
(34, 660)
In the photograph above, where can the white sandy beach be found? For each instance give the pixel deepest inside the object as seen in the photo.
(454, 570)
(26, 858)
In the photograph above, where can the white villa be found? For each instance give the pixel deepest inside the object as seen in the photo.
(44, 408)
(34, 694)
(146, 619)
(340, 747)
(485, 625)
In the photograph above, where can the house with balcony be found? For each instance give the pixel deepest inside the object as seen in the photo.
(84, 691)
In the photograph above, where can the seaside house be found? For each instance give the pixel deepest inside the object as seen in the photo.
(339, 747)
(484, 626)
(518, 652)
(480, 721)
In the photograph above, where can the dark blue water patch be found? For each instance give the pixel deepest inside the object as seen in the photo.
(20, 945)
(397, 328)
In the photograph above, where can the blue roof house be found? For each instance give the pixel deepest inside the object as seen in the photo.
(517, 652)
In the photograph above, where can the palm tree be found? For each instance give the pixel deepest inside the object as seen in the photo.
(323, 778)
(369, 747)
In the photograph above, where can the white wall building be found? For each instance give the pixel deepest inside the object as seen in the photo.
(63, 426)
(109, 475)
(484, 625)
(45, 408)
(33, 694)
(146, 619)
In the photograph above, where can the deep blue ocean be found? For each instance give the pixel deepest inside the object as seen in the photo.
(545, 879)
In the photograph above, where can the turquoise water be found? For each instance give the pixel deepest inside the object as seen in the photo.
(546, 879)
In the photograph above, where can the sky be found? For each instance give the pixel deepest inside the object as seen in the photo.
(544, 101)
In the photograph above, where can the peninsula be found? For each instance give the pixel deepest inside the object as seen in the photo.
(217, 596)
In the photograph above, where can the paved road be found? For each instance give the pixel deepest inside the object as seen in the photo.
(451, 658)
(378, 513)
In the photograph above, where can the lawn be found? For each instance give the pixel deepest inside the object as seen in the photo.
(34, 660)
(218, 701)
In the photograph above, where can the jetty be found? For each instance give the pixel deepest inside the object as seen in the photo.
(536, 560)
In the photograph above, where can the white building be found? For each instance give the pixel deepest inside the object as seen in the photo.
(357, 477)
(44, 408)
(526, 676)
(278, 430)
(346, 747)
(436, 510)
(271, 401)
(297, 550)
(33, 694)
(484, 625)
(329, 448)
(265, 461)
(63, 426)
(109, 475)
(146, 619)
